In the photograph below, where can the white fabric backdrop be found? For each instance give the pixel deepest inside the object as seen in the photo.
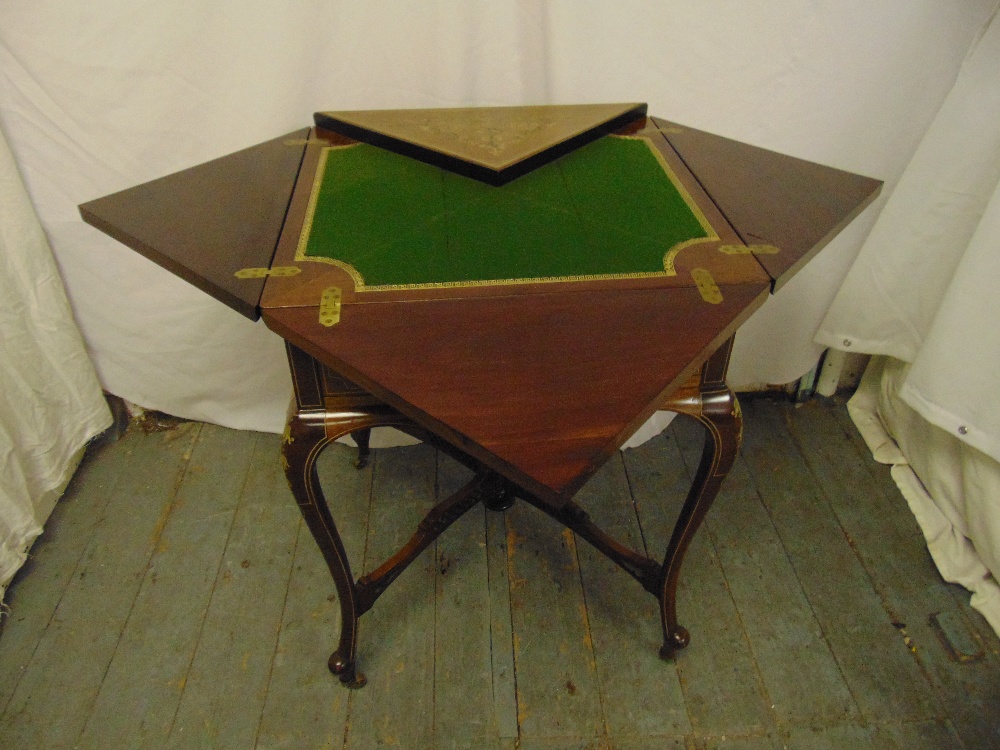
(924, 286)
(101, 96)
(924, 291)
(50, 402)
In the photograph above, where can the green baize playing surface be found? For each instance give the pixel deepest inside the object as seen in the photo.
(606, 209)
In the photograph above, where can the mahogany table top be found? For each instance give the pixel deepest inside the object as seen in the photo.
(533, 357)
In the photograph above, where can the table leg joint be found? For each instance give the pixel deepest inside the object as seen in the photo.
(371, 586)
(641, 568)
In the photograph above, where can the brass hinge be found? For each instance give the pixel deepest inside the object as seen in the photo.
(329, 306)
(260, 273)
(707, 287)
(747, 249)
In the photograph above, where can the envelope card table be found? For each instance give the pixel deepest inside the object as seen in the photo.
(521, 287)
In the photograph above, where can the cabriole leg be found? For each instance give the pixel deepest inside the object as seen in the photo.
(305, 438)
(720, 415)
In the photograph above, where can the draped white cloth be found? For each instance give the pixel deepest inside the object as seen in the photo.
(923, 291)
(50, 401)
(100, 97)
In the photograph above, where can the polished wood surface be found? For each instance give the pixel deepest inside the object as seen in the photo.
(539, 381)
(541, 388)
(491, 144)
(771, 198)
(209, 221)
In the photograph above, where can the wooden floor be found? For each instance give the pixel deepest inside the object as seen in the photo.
(176, 600)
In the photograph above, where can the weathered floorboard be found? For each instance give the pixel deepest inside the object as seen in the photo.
(55, 696)
(501, 629)
(557, 689)
(722, 689)
(463, 669)
(396, 642)
(177, 590)
(54, 557)
(240, 631)
(801, 676)
(306, 706)
(625, 622)
(869, 650)
(894, 554)
(146, 679)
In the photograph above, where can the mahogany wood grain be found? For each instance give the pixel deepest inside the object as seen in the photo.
(772, 198)
(541, 388)
(209, 221)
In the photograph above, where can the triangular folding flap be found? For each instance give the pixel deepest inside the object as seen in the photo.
(541, 388)
(773, 200)
(210, 221)
(491, 144)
